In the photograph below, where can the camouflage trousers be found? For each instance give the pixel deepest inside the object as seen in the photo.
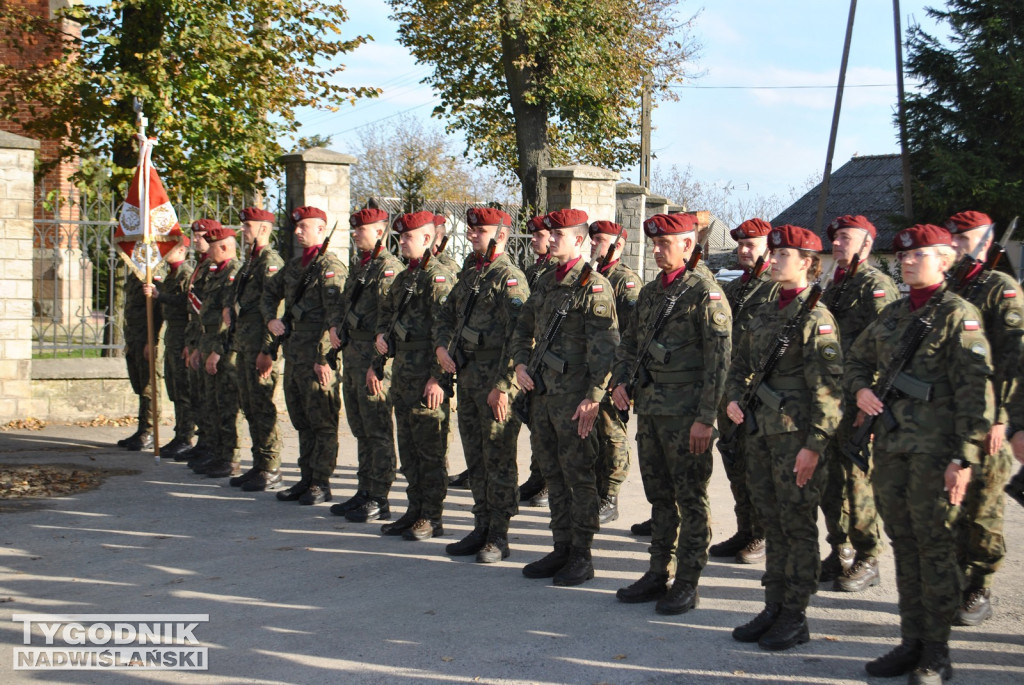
(314, 411)
(370, 420)
(676, 485)
(848, 503)
(220, 404)
(918, 518)
(567, 463)
(612, 451)
(138, 375)
(196, 379)
(422, 437)
(789, 514)
(979, 530)
(747, 520)
(256, 396)
(176, 382)
(490, 449)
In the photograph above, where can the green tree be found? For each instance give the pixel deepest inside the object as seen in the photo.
(535, 83)
(220, 81)
(965, 126)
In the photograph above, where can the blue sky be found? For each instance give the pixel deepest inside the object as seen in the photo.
(741, 123)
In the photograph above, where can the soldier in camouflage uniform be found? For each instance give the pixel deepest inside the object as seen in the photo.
(311, 286)
(981, 546)
(369, 409)
(613, 445)
(800, 407)
(220, 396)
(200, 453)
(744, 294)
(575, 371)
(171, 293)
(686, 362)
(258, 374)
(485, 383)
(136, 356)
(422, 412)
(533, 491)
(922, 468)
(849, 501)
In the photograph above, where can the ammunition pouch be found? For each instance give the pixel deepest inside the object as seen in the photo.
(471, 336)
(401, 334)
(906, 385)
(479, 355)
(559, 365)
(658, 352)
(677, 377)
(412, 345)
(769, 397)
(351, 320)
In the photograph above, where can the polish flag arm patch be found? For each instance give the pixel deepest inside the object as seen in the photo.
(597, 288)
(329, 274)
(825, 329)
(271, 269)
(970, 325)
(713, 295)
(1008, 293)
(439, 279)
(630, 284)
(511, 283)
(388, 273)
(877, 293)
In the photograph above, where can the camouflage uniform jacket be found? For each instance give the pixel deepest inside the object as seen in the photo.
(807, 377)
(745, 296)
(359, 320)
(688, 359)
(487, 333)
(586, 340)
(626, 287)
(172, 296)
(194, 297)
(537, 269)
(868, 293)
(251, 334)
(1001, 304)
(446, 260)
(220, 288)
(135, 326)
(309, 340)
(953, 358)
(413, 328)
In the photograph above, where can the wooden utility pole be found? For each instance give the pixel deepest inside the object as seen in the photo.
(908, 201)
(823, 197)
(645, 135)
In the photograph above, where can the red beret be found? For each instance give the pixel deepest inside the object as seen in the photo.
(751, 228)
(205, 225)
(440, 219)
(214, 235)
(670, 224)
(795, 237)
(965, 221)
(565, 218)
(608, 228)
(850, 221)
(257, 214)
(367, 216)
(921, 235)
(536, 224)
(308, 213)
(487, 216)
(410, 222)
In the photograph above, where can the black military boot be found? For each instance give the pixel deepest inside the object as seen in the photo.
(859, 577)
(223, 470)
(609, 510)
(835, 564)
(142, 441)
(264, 480)
(205, 464)
(494, 550)
(641, 529)
(975, 608)
(789, 630)
(541, 499)
(195, 455)
(123, 442)
(934, 666)
(239, 481)
(175, 448)
(459, 481)
(650, 587)
(679, 599)
(754, 553)
(761, 624)
(355, 501)
(529, 489)
(577, 570)
(373, 509)
(732, 546)
(296, 491)
(901, 660)
(318, 491)
(471, 544)
(403, 524)
(548, 565)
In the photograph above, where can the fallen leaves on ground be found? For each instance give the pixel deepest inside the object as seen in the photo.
(29, 424)
(51, 480)
(102, 420)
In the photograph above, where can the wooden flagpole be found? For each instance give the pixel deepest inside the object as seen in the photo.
(147, 236)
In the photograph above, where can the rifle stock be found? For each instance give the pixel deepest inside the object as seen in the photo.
(455, 348)
(389, 335)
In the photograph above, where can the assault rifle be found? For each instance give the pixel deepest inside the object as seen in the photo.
(835, 294)
(461, 332)
(243, 280)
(638, 369)
(306, 279)
(1015, 488)
(441, 245)
(606, 258)
(521, 405)
(389, 335)
(894, 381)
(741, 296)
(757, 391)
(353, 298)
(962, 271)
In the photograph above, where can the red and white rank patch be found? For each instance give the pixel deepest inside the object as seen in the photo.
(439, 279)
(271, 269)
(714, 295)
(388, 273)
(511, 282)
(630, 284)
(970, 325)
(1010, 292)
(597, 288)
(877, 293)
(825, 329)
(329, 274)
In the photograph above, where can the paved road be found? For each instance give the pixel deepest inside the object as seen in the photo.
(297, 595)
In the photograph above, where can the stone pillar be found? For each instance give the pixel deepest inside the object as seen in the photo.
(17, 164)
(630, 205)
(656, 204)
(319, 177)
(589, 188)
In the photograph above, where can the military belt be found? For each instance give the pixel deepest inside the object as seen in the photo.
(784, 383)
(254, 315)
(362, 336)
(909, 386)
(483, 355)
(412, 345)
(677, 377)
(308, 326)
(561, 365)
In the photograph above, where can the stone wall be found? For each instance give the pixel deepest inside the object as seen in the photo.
(630, 213)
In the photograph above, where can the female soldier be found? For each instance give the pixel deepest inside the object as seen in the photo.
(922, 463)
(797, 410)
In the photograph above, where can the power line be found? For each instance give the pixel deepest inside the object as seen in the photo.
(859, 85)
(390, 116)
